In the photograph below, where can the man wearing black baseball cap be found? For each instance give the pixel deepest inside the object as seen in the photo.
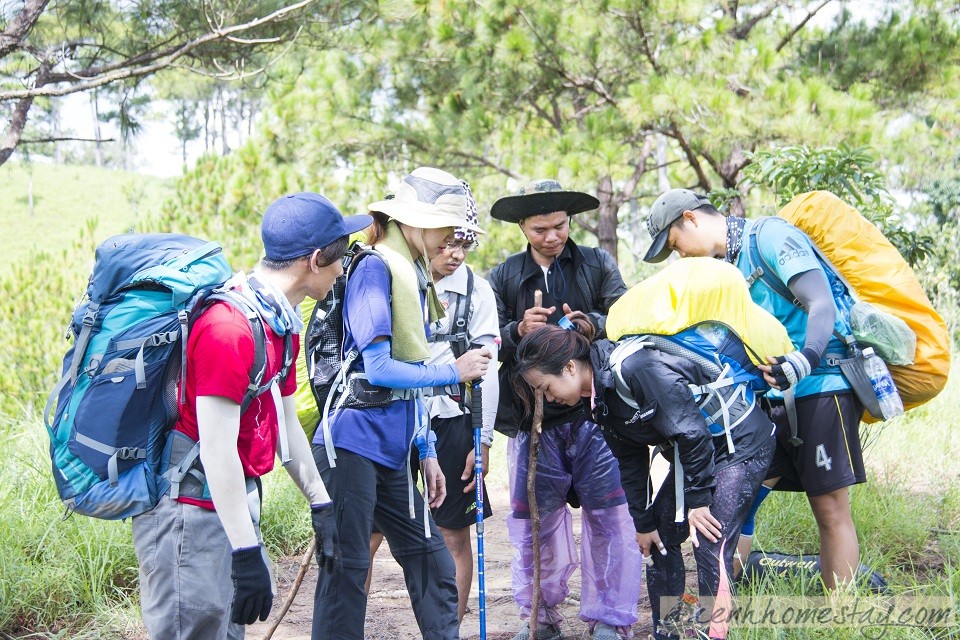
(575, 464)
(203, 566)
(817, 415)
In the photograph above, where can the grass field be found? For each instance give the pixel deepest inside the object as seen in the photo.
(79, 575)
(66, 198)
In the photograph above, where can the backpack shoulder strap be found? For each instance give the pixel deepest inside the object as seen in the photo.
(458, 334)
(764, 272)
(761, 268)
(470, 277)
(259, 368)
(362, 252)
(460, 322)
(624, 350)
(513, 268)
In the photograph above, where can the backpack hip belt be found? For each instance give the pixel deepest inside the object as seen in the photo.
(181, 466)
(354, 393)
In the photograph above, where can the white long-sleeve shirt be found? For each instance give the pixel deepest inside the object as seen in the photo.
(483, 328)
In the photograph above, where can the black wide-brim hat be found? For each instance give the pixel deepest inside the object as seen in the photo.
(540, 197)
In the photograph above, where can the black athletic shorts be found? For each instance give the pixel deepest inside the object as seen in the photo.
(830, 457)
(454, 442)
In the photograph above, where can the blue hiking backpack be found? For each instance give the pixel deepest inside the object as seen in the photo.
(724, 403)
(117, 398)
(720, 352)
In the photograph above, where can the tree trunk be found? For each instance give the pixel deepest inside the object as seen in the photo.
(56, 129)
(225, 147)
(98, 146)
(663, 181)
(607, 216)
(729, 170)
(206, 125)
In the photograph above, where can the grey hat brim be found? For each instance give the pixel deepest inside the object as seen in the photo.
(659, 251)
(516, 208)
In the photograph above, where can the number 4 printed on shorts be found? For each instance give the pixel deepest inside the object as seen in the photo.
(823, 460)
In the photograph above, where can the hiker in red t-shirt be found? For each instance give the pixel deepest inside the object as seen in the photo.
(203, 567)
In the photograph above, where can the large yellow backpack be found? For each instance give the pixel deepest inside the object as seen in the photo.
(875, 272)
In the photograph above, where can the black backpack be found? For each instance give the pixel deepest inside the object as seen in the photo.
(323, 343)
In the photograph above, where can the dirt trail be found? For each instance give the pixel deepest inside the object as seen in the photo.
(389, 616)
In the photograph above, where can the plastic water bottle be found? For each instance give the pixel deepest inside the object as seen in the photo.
(890, 404)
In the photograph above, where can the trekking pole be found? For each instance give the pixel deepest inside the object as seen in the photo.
(294, 588)
(532, 494)
(476, 408)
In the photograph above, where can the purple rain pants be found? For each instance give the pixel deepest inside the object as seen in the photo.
(574, 453)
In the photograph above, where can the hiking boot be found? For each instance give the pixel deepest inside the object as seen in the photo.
(544, 632)
(603, 631)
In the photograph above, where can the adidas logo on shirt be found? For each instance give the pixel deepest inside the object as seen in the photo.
(791, 249)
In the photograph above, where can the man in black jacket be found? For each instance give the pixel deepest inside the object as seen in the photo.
(574, 461)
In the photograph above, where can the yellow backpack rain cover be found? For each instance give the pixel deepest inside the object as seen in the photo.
(690, 291)
(879, 275)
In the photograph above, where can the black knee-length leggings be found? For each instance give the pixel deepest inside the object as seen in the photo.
(737, 485)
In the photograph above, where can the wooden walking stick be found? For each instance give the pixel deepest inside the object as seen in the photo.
(532, 494)
(294, 588)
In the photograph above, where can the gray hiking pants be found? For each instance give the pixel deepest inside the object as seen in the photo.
(186, 590)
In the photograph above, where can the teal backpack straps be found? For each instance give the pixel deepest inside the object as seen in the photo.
(762, 271)
(765, 273)
(182, 454)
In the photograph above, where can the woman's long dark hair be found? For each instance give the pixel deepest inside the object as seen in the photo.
(377, 231)
(548, 350)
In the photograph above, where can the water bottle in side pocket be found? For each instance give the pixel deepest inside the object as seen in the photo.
(883, 386)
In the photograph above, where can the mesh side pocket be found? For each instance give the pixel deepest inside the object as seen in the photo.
(856, 375)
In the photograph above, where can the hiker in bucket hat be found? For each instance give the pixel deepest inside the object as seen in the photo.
(471, 319)
(363, 446)
(817, 416)
(575, 464)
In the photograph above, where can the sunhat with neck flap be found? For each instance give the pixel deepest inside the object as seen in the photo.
(429, 198)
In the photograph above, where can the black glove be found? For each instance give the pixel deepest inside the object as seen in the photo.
(328, 538)
(793, 367)
(252, 588)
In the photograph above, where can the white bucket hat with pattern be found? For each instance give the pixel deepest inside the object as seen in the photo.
(429, 198)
